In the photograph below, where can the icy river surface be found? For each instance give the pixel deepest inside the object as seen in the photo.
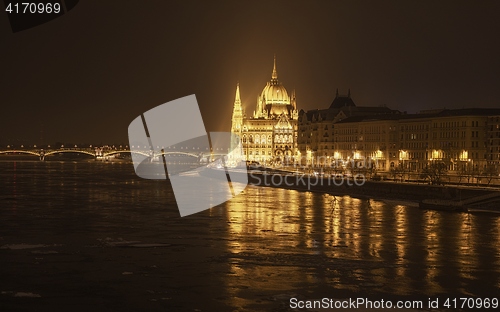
(90, 235)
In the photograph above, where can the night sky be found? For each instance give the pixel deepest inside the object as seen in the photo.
(84, 76)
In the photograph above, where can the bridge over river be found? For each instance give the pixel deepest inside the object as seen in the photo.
(106, 153)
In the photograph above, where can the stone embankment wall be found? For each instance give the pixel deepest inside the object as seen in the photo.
(371, 189)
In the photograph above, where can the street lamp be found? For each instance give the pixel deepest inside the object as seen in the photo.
(378, 157)
(403, 155)
(471, 168)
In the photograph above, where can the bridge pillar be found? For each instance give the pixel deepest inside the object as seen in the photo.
(99, 155)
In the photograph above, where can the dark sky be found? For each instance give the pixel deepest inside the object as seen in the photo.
(85, 76)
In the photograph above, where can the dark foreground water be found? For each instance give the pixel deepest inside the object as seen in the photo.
(91, 236)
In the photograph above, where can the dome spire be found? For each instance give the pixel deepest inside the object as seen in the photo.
(237, 98)
(275, 73)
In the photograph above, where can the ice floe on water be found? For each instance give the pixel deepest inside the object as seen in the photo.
(146, 245)
(26, 246)
(44, 252)
(406, 203)
(108, 241)
(119, 242)
(20, 294)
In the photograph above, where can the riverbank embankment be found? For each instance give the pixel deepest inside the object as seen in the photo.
(368, 189)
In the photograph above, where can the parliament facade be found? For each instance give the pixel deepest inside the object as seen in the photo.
(269, 135)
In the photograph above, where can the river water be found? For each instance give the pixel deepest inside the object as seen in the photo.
(77, 235)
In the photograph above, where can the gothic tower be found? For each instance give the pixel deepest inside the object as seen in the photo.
(237, 118)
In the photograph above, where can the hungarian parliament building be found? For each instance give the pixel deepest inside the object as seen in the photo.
(276, 131)
(270, 134)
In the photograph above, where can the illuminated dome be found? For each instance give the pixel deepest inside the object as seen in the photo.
(274, 97)
(275, 93)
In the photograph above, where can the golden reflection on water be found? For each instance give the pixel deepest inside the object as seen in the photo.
(400, 215)
(258, 214)
(468, 252)
(401, 227)
(407, 247)
(432, 244)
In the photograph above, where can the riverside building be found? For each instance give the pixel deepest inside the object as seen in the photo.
(493, 141)
(464, 140)
(320, 142)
